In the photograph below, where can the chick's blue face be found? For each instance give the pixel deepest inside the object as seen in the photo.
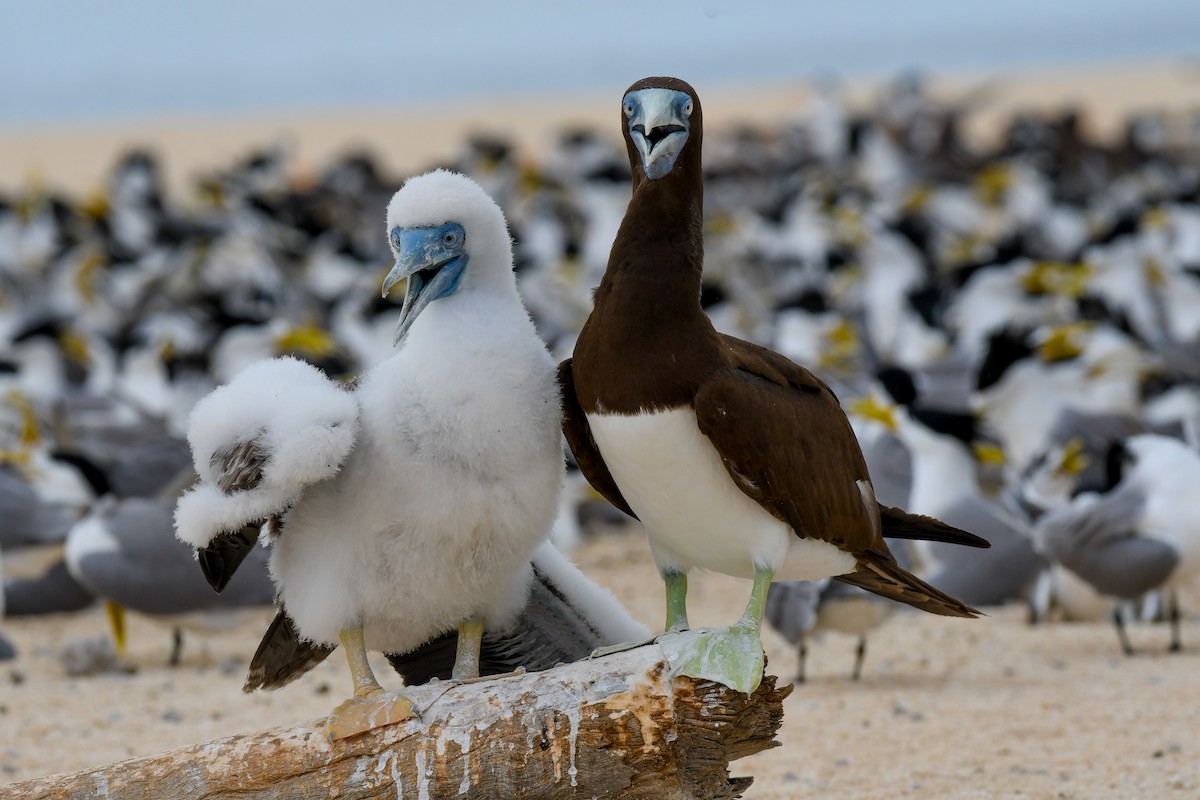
(658, 121)
(433, 260)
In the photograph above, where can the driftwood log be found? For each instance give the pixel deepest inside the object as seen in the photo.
(619, 726)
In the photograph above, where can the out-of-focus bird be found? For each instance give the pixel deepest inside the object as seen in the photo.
(125, 552)
(1140, 537)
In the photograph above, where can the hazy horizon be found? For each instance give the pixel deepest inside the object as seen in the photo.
(92, 61)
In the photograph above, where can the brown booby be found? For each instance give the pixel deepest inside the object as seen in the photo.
(734, 458)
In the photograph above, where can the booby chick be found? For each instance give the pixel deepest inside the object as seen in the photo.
(410, 505)
(734, 458)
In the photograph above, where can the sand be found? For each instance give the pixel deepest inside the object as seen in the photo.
(76, 157)
(946, 708)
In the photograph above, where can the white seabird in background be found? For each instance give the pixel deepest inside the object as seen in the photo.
(125, 553)
(1100, 561)
(1142, 536)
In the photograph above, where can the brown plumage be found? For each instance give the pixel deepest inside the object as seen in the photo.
(779, 430)
(282, 656)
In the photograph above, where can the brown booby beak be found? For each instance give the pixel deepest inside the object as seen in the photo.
(658, 121)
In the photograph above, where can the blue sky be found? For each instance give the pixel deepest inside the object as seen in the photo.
(62, 61)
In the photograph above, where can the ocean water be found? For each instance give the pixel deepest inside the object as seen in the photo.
(62, 61)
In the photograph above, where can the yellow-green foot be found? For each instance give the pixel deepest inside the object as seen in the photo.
(731, 656)
(369, 711)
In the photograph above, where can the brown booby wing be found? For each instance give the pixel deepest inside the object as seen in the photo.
(787, 445)
(814, 479)
(583, 446)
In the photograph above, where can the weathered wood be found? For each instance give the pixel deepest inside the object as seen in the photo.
(619, 726)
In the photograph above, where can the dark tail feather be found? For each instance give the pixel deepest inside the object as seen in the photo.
(899, 524)
(282, 656)
(879, 573)
(548, 632)
(565, 619)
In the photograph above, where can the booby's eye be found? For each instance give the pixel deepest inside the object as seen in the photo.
(687, 107)
(450, 238)
(394, 240)
(628, 108)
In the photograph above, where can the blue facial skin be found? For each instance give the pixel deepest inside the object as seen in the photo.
(658, 121)
(433, 259)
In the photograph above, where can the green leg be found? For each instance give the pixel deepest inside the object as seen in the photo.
(676, 583)
(732, 656)
(470, 643)
(757, 607)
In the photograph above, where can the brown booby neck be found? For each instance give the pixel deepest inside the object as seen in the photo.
(647, 310)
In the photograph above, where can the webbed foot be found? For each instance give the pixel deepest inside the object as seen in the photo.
(368, 711)
(730, 656)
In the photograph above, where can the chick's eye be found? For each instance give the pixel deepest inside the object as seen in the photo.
(450, 238)
(395, 240)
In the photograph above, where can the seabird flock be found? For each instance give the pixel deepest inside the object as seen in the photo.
(926, 371)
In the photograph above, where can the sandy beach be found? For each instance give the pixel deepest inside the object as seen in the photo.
(946, 708)
(77, 158)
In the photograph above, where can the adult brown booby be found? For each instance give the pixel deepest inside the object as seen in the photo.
(734, 458)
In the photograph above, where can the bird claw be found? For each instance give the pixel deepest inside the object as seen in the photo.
(367, 712)
(730, 656)
(620, 647)
(480, 678)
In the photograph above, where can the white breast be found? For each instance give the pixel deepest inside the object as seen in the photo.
(674, 480)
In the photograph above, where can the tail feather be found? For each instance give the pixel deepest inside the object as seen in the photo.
(549, 631)
(282, 656)
(899, 524)
(879, 573)
(566, 617)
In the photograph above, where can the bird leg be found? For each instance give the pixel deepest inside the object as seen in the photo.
(116, 621)
(1119, 624)
(365, 683)
(731, 656)
(370, 707)
(176, 647)
(470, 644)
(802, 649)
(1173, 617)
(860, 654)
(676, 584)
